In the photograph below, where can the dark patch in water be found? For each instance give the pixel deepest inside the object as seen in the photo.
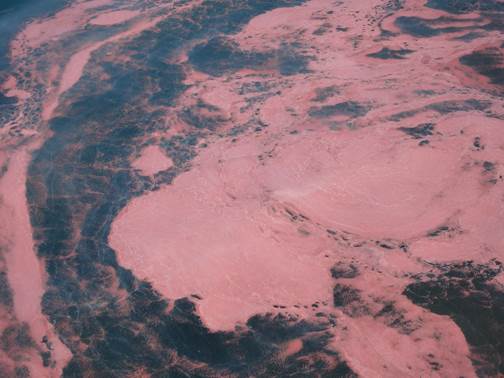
(466, 6)
(395, 318)
(4, 100)
(425, 92)
(439, 231)
(16, 336)
(6, 298)
(488, 62)
(488, 166)
(415, 26)
(219, 55)
(424, 28)
(322, 29)
(469, 37)
(322, 94)
(348, 299)
(444, 107)
(477, 144)
(420, 131)
(181, 148)
(347, 108)
(202, 116)
(344, 295)
(290, 62)
(386, 53)
(344, 270)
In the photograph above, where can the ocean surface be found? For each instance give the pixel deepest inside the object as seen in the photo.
(14, 14)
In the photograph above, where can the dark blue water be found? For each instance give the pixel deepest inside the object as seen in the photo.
(14, 14)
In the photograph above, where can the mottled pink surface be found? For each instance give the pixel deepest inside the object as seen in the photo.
(152, 160)
(257, 220)
(222, 230)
